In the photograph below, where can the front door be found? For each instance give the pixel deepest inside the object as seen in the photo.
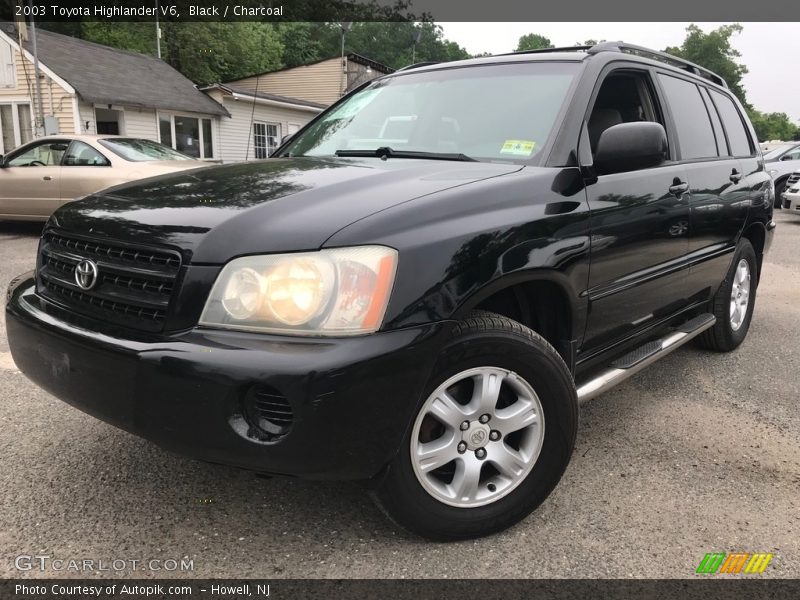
(84, 171)
(30, 179)
(639, 224)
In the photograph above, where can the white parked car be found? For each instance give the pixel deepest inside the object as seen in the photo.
(791, 197)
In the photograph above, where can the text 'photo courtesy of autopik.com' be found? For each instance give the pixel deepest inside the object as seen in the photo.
(399, 298)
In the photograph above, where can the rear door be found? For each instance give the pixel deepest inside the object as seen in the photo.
(719, 195)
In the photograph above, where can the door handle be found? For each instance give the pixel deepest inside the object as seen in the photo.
(678, 187)
(736, 177)
(47, 178)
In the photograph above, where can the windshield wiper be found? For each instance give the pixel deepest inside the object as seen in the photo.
(385, 152)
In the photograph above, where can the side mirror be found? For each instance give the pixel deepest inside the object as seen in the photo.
(286, 138)
(631, 146)
(787, 157)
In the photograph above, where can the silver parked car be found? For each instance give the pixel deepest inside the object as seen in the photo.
(782, 161)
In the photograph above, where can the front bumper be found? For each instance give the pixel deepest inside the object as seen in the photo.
(791, 201)
(352, 398)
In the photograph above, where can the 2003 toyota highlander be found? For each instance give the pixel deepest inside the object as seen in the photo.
(419, 287)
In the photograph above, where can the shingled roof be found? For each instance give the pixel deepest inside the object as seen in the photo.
(104, 75)
(228, 89)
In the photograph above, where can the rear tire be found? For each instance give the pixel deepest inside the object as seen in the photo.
(450, 482)
(734, 302)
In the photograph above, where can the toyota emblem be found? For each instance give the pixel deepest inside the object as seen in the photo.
(478, 437)
(86, 274)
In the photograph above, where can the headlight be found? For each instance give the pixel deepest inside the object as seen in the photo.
(339, 291)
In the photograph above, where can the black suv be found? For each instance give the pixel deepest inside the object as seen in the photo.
(420, 286)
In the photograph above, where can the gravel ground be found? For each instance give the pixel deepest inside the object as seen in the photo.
(698, 453)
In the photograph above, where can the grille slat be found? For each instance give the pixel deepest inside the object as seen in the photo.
(109, 267)
(133, 288)
(116, 250)
(269, 412)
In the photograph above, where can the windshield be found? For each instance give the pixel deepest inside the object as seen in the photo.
(492, 113)
(137, 150)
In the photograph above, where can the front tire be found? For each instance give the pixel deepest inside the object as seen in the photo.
(734, 302)
(492, 435)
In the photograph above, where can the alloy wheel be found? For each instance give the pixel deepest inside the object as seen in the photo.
(477, 437)
(740, 294)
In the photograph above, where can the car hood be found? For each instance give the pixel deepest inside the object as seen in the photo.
(153, 168)
(279, 205)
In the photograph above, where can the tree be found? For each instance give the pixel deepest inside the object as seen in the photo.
(773, 126)
(392, 43)
(713, 50)
(533, 41)
(211, 52)
(307, 42)
(205, 52)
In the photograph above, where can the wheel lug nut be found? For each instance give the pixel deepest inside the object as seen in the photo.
(480, 453)
(464, 425)
(484, 418)
(462, 447)
(494, 435)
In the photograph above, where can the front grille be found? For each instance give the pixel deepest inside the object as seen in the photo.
(793, 178)
(133, 287)
(268, 412)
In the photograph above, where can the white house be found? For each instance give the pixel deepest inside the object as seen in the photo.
(90, 88)
(258, 120)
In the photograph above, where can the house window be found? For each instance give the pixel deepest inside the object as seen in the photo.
(16, 125)
(7, 78)
(165, 129)
(265, 138)
(190, 135)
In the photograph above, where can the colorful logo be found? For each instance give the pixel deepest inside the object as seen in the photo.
(735, 562)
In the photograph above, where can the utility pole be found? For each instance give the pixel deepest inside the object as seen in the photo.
(158, 33)
(417, 36)
(345, 27)
(38, 108)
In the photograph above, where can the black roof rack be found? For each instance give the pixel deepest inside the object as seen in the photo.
(545, 50)
(669, 59)
(418, 65)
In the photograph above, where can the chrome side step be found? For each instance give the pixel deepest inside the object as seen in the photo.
(636, 360)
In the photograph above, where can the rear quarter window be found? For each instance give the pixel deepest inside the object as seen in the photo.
(734, 126)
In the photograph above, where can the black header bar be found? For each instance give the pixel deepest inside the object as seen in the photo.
(394, 10)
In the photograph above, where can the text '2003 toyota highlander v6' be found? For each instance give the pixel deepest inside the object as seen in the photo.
(421, 285)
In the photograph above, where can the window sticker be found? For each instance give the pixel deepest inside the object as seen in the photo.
(518, 147)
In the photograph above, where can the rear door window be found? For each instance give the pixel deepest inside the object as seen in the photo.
(719, 133)
(695, 133)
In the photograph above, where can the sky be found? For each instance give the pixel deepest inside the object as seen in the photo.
(768, 49)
